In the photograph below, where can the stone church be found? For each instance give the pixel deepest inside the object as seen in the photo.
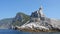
(38, 15)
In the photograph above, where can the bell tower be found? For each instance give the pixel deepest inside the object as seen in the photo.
(40, 11)
(41, 14)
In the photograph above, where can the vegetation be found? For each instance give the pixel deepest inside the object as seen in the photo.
(17, 20)
(20, 19)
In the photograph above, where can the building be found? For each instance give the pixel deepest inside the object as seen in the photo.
(37, 15)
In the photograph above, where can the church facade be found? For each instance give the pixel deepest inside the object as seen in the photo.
(37, 15)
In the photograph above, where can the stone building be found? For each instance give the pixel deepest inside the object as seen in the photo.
(37, 15)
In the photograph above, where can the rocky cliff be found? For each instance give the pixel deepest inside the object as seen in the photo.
(38, 21)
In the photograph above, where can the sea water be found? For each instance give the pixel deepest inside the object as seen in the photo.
(7, 31)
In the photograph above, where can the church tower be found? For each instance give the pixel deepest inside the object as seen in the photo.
(41, 14)
(40, 11)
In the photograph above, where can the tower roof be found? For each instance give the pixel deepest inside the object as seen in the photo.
(41, 7)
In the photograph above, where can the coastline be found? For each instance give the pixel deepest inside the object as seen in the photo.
(36, 30)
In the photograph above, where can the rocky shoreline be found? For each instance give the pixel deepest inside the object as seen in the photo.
(36, 30)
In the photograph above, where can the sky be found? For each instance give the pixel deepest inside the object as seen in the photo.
(9, 8)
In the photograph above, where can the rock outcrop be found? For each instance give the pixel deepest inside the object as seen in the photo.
(20, 19)
(39, 21)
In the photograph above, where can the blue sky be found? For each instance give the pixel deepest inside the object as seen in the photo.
(9, 8)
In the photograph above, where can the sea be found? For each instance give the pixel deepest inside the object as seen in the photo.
(7, 31)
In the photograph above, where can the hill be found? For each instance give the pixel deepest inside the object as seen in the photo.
(18, 20)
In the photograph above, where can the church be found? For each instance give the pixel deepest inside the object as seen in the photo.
(37, 15)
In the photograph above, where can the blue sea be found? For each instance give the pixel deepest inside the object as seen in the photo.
(6, 31)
